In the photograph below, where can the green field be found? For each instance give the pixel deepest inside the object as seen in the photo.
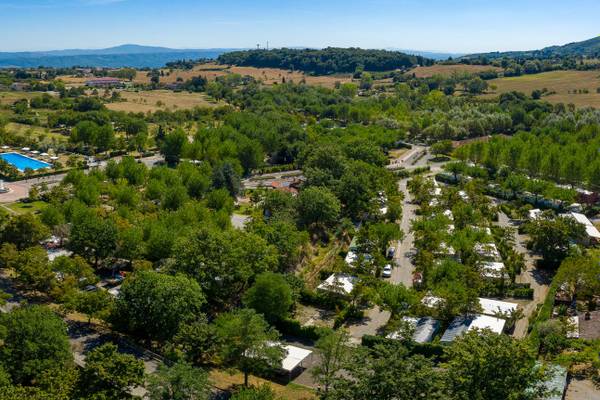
(22, 208)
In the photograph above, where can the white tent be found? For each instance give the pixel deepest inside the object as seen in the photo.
(339, 283)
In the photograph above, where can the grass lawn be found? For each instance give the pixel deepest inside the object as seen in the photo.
(565, 84)
(291, 391)
(22, 208)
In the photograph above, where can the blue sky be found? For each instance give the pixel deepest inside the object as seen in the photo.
(441, 25)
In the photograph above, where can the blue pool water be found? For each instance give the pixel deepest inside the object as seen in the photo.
(21, 162)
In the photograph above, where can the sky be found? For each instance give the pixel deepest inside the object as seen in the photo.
(460, 26)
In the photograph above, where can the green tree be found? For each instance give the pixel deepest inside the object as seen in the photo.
(333, 353)
(442, 147)
(94, 304)
(386, 373)
(33, 269)
(318, 207)
(24, 230)
(485, 365)
(34, 340)
(173, 146)
(195, 341)
(248, 342)
(178, 382)
(92, 236)
(110, 374)
(154, 305)
(234, 256)
(270, 295)
(552, 237)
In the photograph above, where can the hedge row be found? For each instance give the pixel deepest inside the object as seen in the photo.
(429, 350)
(544, 314)
(293, 327)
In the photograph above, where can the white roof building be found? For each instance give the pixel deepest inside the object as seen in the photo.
(466, 323)
(591, 231)
(488, 251)
(425, 329)
(492, 269)
(493, 307)
(535, 213)
(294, 356)
(339, 283)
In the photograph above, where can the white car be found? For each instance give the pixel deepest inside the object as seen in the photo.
(387, 271)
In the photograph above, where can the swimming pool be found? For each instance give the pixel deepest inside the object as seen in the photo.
(22, 162)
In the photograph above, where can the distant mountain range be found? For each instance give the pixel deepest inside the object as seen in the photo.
(434, 55)
(129, 55)
(588, 48)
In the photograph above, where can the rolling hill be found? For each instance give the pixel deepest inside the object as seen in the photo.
(587, 48)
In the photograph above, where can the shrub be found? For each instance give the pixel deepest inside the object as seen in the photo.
(429, 350)
(293, 327)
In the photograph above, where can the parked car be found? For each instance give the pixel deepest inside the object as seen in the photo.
(391, 252)
(387, 271)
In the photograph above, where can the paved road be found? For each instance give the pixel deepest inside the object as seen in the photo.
(539, 280)
(375, 318)
(404, 268)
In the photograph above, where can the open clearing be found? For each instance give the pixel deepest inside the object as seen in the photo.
(9, 98)
(154, 100)
(564, 83)
(225, 381)
(268, 76)
(448, 70)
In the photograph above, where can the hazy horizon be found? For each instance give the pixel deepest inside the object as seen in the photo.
(464, 26)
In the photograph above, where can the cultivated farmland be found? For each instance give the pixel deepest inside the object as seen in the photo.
(154, 100)
(268, 76)
(577, 87)
(448, 70)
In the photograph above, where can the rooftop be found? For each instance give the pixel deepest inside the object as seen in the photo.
(425, 329)
(466, 323)
(493, 307)
(339, 283)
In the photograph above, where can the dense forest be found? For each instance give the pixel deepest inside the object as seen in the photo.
(326, 61)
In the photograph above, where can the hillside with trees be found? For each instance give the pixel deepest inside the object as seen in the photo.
(326, 61)
(588, 48)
